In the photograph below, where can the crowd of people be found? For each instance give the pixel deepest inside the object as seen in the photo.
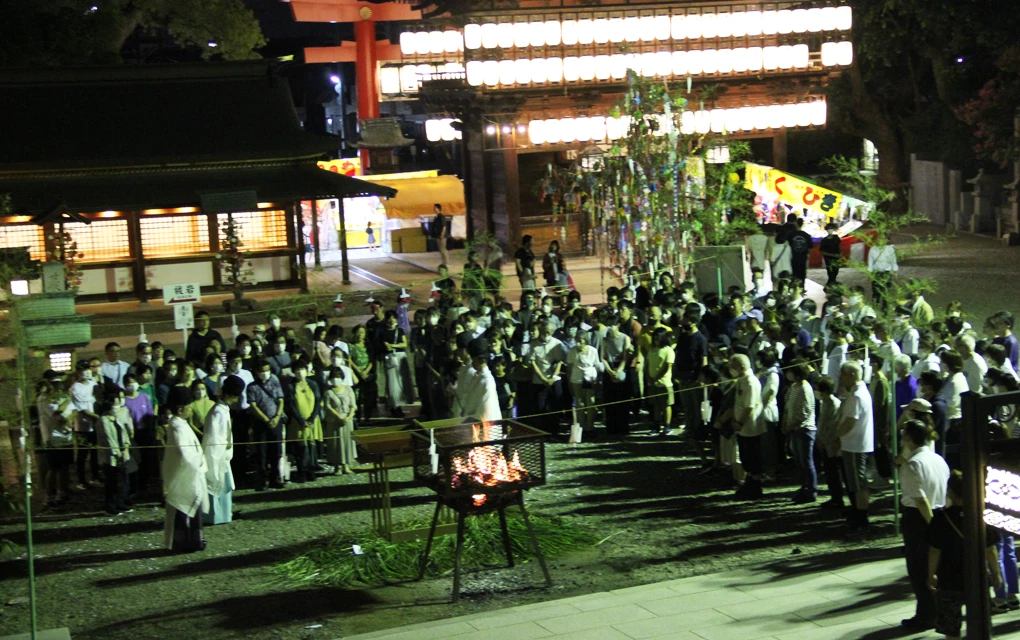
(758, 383)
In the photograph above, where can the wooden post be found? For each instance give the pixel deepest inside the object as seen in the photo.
(137, 256)
(315, 233)
(300, 228)
(779, 150)
(973, 447)
(345, 267)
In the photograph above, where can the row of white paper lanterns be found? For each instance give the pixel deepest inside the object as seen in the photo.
(662, 63)
(738, 24)
(599, 128)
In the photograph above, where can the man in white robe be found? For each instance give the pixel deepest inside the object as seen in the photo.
(184, 473)
(479, 398)
(218, 446)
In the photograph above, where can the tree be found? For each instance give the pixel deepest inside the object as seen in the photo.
(69, 32)
(237, 269)
(991, 114)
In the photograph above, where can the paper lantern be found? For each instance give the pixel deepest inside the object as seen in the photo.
(789, 115)
(538, 72)
(845, 51)
(770, 22)
(709, 61)
(724, 24)
(408, 78)
(408, 46)
(552, 130)
(740, 60)
(437, 42)
(830, 54)
(424, 73)
(818, 113)
(799, 20)
(452, 41)
(829, 18)
(844, 18)
(754, 58)
(679, 63)
(663, 28)
(568, 32)
(732, 120)
(585, 31)
(600, 30)
(776, 116)
(522, 34)
(602, 67)
(687, 123)
(754, 23)
(586, 64)
(472, 36)
(724, 60)
(785, 57)
(633, 62)
(536, 131)
(632, 29)
(801, 56)
(770, 58)
(616, 30)
(490, 72)
(432, 131)
(552, 33)
(389, 80)
(505, 34)
(761, 117)
(421, 43)
(522, 71)
(738, 24)
(648, 65)
(618, 66)
(702, 121)
(814, 20)
(474, 73)
(695, 64)
(717, 119)
(747, 118)
(785, 21)
(490, 35)
(582, 129)
(647, 28)
(597, 127)
(536, 34)
(677, 27)
(804, 114)
(708, 29)
(446, 130)
(693, 24)
(554, 69)
(507, 72)
(567, 130)
(571, 68)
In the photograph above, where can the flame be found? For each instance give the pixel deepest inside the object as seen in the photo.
(486, 466)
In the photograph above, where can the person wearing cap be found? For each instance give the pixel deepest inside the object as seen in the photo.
(923, 478)
(921, 410)
(929, 387)
(259, 335)
(218, 445)
(478, 397)
(184, 477)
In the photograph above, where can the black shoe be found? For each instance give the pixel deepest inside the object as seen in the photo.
(276, 485)
(916, 624)
(832, 503)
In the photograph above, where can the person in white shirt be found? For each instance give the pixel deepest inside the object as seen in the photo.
(856, 430)
(974, 366)
(956, 385)
(479, 397)
(927, 359)
(56, 420)
(83, 396)
(836, 355)
(905, 335)
(114, 369)
(584, 366)
(882, 264)
(858, 309)
(546, 356)
(887, 348)
(923, 478)
(749, 424)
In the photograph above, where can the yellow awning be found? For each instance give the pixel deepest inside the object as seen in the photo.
(416, 196)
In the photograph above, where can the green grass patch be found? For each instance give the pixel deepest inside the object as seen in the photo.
(334, 564)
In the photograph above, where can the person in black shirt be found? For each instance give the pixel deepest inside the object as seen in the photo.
(524, 258)
(691, 357)
(801, 243)
(831, 250)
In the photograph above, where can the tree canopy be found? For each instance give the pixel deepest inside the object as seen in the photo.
(71, 32)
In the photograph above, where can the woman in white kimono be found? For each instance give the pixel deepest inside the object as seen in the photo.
(184, 470)
(218, 445)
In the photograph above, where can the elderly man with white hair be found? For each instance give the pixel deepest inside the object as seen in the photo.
(856, 430)
(749, 422)
(906, 383)
(974, 365)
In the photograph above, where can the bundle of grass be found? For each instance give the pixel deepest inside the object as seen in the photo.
(335, 563)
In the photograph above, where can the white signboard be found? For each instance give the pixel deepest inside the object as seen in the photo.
(184, 316)
(187, 293)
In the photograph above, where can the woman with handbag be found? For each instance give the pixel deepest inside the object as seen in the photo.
(393, 351)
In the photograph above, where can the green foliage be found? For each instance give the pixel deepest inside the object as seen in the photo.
(847, 177)
(334, 564)
(9, 505)
(238, 271)
(485, 244)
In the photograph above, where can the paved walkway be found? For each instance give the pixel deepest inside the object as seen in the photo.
(792, 601)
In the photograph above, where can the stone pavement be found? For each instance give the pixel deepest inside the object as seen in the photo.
(799, 600)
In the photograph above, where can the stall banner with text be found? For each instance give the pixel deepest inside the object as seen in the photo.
(350, 167)
(791, 189)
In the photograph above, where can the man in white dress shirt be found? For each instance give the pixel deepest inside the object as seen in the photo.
(114, 369)
(856, 430)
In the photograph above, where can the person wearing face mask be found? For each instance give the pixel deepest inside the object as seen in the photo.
(184, 478)
(554, 269)
(143, 435)
(275, 325)
(143, 360)
(241, 416)
(83, 396)
(304, 429)
(214, 375)
(166, 380)
(265, 397)
(245, 345)
(393, 355)
(217, 446)
(749, 425)
(546, 357)
(906, 336)
(279, 358)
(340, 408)
(584, 365)
(56, 419)
(200, 407)
(114, 441)
(858, 309)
